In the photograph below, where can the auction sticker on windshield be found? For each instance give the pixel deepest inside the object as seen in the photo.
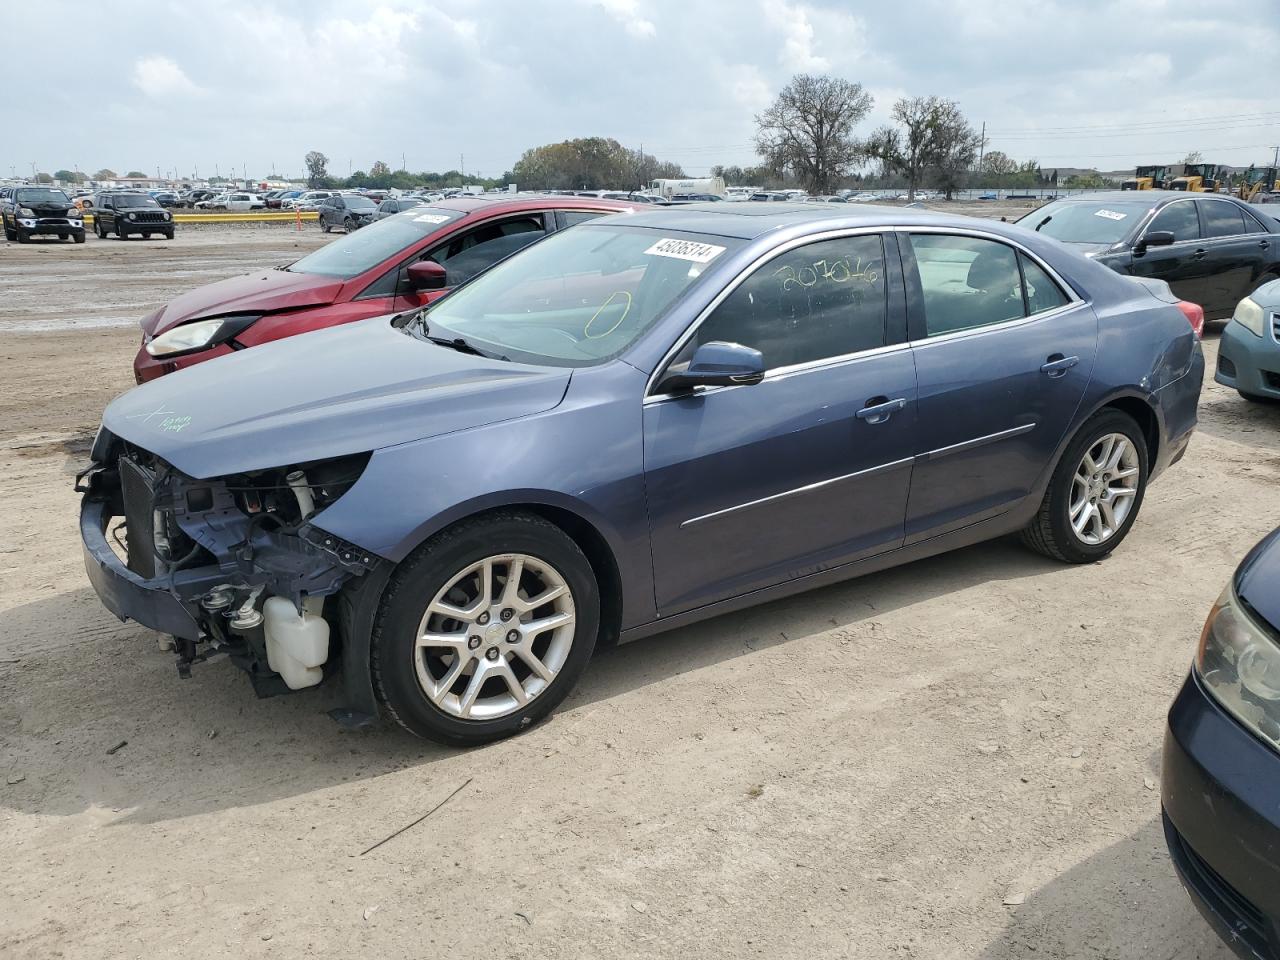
(431, 218)
(1110, 214)
(685, 250)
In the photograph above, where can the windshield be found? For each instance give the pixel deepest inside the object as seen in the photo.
(360, 203)
(1086, 221)
(126, 200)
(353, 254)
(579, 297)
(41, 195)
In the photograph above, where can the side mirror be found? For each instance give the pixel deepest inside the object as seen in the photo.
(426, 275)
(715, 364)
(1155, 238)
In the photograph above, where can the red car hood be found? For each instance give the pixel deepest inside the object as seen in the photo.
(262, 292)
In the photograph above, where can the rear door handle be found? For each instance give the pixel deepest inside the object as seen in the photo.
(1057, 365)
(1200, 254)
(880, 409)
(1263, 244)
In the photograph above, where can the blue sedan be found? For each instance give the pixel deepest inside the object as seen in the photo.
(632, 425)
(1249, 353)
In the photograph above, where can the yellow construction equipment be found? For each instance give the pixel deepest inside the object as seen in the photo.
(1258, 180)
(1147, 178)
(1198, 178)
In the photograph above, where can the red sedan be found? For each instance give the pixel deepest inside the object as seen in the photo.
(396, 264)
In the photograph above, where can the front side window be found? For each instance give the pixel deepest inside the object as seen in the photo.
(570, 217)
(580, 296)
(822, 300)
(468, 254)
(1221, 219)
(967, 282)
(1178, 218)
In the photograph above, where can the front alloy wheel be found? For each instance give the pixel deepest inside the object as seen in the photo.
(495, 637)
(484, 629)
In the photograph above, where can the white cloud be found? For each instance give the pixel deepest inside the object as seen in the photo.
(798, 53)
(160, 78)
(627, 13)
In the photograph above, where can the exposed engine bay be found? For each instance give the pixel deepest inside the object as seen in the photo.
(257, 580)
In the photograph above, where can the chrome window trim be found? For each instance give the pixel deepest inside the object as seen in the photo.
(749, 270)
(1074, 300)
(807, 488)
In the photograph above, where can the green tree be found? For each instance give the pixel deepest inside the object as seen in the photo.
(809, 129)
(106, 173)
(588, 163)
(995, 163)
(68, 176)
(135, 175)
(43, 177)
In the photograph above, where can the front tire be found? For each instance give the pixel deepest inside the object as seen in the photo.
(1095, 492)
(461, 653)
(349, 225)
(1254, 397)
(324, 227)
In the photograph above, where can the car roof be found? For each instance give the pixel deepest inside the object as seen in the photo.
(747, 221)
(1149, 196)
(536, 201)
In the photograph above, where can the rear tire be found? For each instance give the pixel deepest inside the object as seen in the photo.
(324, 227)
(1070, 495)
(402, 667)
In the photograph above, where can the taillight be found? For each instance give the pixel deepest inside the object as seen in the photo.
(1194, 314)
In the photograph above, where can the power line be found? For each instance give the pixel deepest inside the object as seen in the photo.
(1219, 118)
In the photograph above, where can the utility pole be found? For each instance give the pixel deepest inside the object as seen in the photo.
(982, 145)
(462, 167)
(402, 167)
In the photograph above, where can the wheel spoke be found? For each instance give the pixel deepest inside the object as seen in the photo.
(1124, 474)
(445, 683)
(535, 664)
(1082, 521)
(1080, 505)
(1120, 446)
(453, 641)
(1108, 444)
(511, 592)
(1087, 465)
(533, 603)
(446, 609)
(535, 627)
(503, 669)
(1108, 516)
(468, 698)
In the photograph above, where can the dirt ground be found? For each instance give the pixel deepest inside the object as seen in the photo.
(958, 758)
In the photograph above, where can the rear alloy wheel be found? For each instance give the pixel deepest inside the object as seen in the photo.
(324, 227)
(1095, 493)
(471, 645)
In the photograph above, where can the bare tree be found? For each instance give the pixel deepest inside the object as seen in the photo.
(809, 129)
(317, 169)
(934, 136)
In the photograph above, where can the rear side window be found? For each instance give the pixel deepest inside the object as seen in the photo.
(1042, 293)
(1179, 218)
(825, 299)
(1221, 219)
(967, 282)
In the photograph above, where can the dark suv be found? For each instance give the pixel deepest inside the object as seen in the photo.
(26, 211)
(123, 213)
(351, 211)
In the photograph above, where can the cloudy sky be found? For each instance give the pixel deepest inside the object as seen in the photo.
(189, 85)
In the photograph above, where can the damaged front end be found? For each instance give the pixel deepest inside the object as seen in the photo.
(231, 565)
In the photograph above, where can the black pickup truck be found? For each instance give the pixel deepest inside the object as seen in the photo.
(27, 211)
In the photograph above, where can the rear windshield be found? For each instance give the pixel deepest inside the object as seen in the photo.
(40, 195)
(355, 253)
(1086, 221)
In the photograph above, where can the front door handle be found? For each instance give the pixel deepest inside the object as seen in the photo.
(1263, 244)
(1200, 254)
(880, 409)
(1057, 365)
